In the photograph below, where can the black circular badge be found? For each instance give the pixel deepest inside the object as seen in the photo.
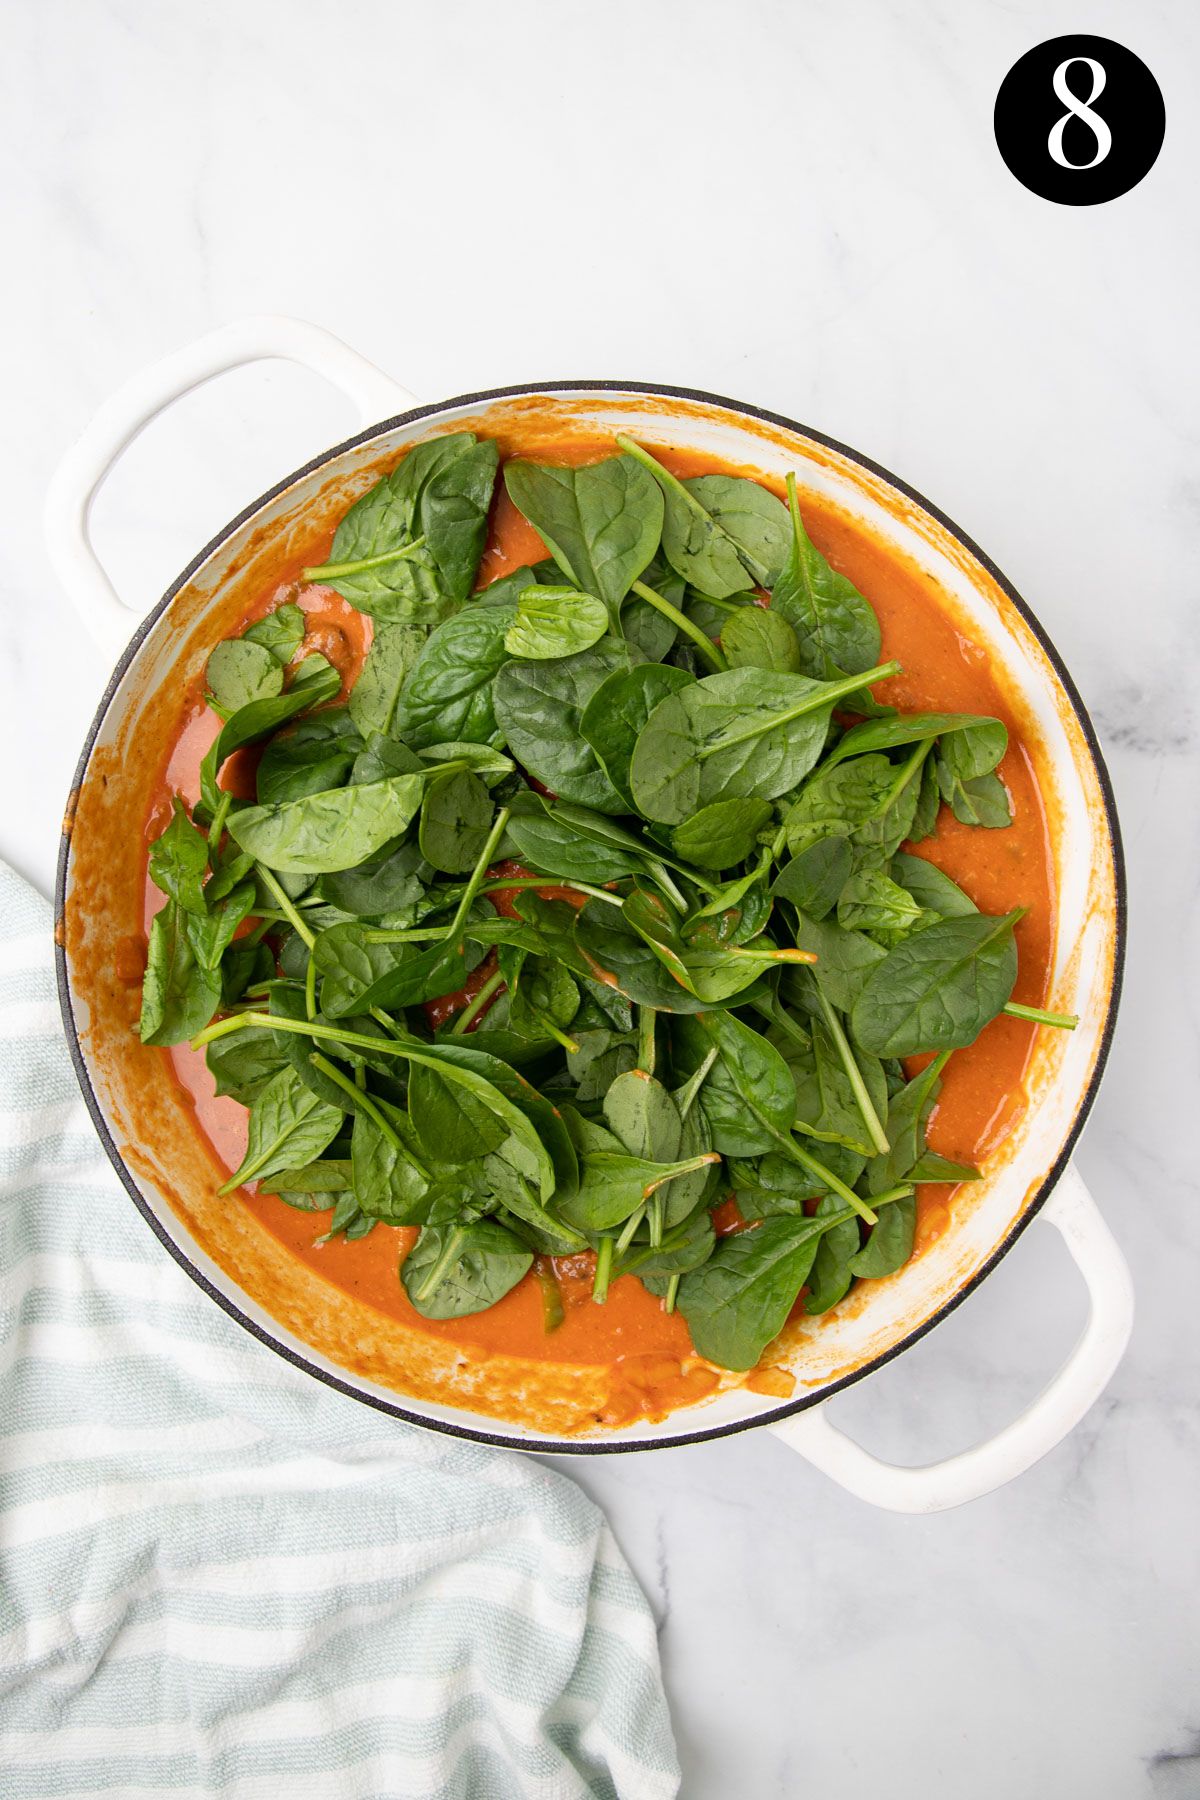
(1079, 120)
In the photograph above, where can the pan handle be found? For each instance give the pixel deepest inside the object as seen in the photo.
(1055, 1412)
(127, 412)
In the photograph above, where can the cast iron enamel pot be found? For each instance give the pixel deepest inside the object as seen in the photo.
(148, 1134)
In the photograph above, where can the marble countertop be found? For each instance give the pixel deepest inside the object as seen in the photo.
(801, 206)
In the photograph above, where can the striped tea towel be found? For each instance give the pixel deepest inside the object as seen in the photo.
(217, 1576)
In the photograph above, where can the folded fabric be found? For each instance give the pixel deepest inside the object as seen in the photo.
(217, 1576)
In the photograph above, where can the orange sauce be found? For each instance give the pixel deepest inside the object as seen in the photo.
(982, 1094)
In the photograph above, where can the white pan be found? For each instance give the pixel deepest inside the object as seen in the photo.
(149, 1135)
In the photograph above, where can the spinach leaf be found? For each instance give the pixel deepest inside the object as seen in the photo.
(602, 1055)
(453, 1270)
(870, 800)
(555, 621)
(891, 1241)
(745, 732)
(648, 631)
(376, 694)
(456, 818)
(382, 758)
(614, 1184)
(548, 840)
(846, 960)
(179, 995)
(748, 1097)
(601, 523)
(619, 708)
(239, 672)
(452, 516)
(315, 681)
(308, 758)
(323, 833)
(982, 741)
(826, 1104)
(211, 933)
(281, 632)
(179, 861)
(974, 800)
(242, 1065)
(813, 880)
(288, 1126)
(872, 902)
(836, 628)
(388, 1179)
(640, 1111)
(539, 706)
(448, 694)
(722, 833)
(358, 974)
(350, 964)
(833, 1272)
(938, 988)
(688, 1242)
(616, 954)
(739, 1300)
(929, 800)
(768, 1185)
(702, 966)
(388, 883)
(755, 638)
(907, 1116)
(542, 997)
(717, 530)
(410, 548)
(451, 1123)
(932, 1167)
(932, 890)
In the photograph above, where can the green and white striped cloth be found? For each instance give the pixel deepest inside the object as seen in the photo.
(217, 1576)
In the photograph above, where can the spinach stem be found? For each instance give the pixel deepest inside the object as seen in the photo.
(710, 655)
(668, 886)
(389, 1024)
(476, 1003)
(364, 1103)
(827, 694)
(435, 1275)
(672, 1293)
(541, 881)
(656, 1220)
(1035, 1015)
(665, 479)
(910, 767)
(551, 1029)
(552, 1306)
(776, 954)
(647, 1038)
(284, 903)
(431, 934)
(687, 1166)
(310, 986)
(327, 571)
(854, 1075)
(687, 1093)
(219, 817)
(478, 873)
(604, 1257)
(825, 1176)
(629, 1230)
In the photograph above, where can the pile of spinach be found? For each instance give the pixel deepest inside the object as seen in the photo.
(716, 953)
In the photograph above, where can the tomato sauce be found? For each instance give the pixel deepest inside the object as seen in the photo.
(982, 1094)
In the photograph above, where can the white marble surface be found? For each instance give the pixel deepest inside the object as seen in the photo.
(800, 205)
